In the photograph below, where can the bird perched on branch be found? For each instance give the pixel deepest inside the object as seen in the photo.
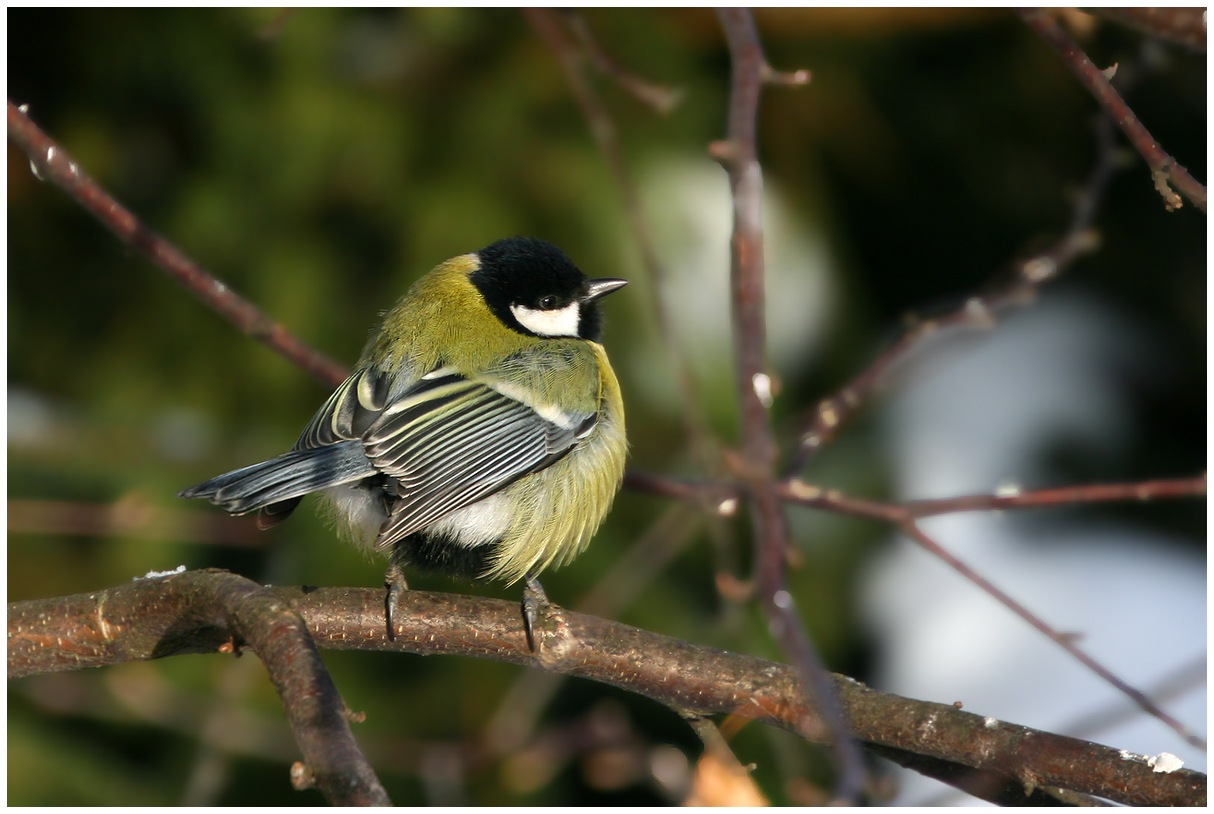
(481, 435)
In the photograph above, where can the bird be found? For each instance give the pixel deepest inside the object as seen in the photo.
(480, 436)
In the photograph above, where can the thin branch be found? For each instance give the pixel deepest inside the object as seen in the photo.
(905, 514)
(721, 498)
(658, 98)
(977, 313)
(50, 161)
(1067, 495)
(815, 497)
(738, 154)
(713, 497)
(546, 23)
(1186, 26)
(1062, 640)
(1184, 679)
(720, 778)
(1164, 168)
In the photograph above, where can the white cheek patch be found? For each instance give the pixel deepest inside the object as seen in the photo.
(558, 322)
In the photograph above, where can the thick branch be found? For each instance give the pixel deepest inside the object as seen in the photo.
(203, 612)
(996, 760)
(904, 515)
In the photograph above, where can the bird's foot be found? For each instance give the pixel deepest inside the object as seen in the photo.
(535, 604)
(394, 581)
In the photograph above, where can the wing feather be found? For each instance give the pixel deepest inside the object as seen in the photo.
(348, 412)
(450, 442)
(447, 441)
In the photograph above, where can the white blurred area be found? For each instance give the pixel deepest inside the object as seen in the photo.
(976, 415)
(688, 207)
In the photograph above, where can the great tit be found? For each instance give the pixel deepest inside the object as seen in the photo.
(481, 435)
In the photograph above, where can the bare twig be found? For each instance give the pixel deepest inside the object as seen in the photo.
(977, 313)
(50, 161)
(1186, 26)
(738, 154)
(905, 515)
(721, 779)
(546, 22)
(723, 497)
(1164, 168)
(1186, 678)
(1065, 642)
(1067, 495)
(657, 98)
(714, 497)
(805, 494)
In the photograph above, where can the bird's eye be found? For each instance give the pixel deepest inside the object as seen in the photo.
(548, 303)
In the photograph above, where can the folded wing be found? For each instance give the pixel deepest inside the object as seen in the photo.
(450, 442)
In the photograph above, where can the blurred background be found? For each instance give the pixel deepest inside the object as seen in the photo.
(319, 161)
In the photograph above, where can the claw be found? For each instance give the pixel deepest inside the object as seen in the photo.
(535, 603)
(394, 581)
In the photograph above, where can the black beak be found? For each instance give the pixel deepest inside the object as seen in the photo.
(602, 286)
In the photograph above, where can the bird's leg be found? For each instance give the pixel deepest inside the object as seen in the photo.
(535, 603)
(394, 581)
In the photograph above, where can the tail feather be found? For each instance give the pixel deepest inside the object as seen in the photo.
(285, 479)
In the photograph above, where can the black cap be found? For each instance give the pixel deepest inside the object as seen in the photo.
(535, 274)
